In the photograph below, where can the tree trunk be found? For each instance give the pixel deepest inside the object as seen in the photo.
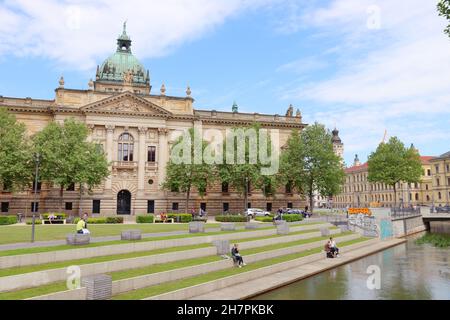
(188, 194)
(311, 201)
(61, 194)
(79, 201)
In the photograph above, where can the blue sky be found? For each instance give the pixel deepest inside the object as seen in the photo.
(364, 66)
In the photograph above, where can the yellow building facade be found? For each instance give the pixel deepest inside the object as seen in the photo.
(440, 170)
(136, 129)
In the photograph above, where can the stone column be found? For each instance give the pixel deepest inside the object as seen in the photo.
(109, 148)
(90, 132)
(162, 154)
(141, 159)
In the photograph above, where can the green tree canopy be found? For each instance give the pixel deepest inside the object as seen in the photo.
(393, 163)
(309, 163)
(250, 158)
(184, 175)
(67, 158)
(444, 10)
(15, 153)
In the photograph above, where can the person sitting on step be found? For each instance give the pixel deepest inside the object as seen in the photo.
(237, 258)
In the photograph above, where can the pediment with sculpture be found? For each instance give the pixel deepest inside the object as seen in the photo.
(127, 103)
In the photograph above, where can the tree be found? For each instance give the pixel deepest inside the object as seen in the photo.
(67, 158)
(393, 163)
(16, 161)
(309, 164)
(248, 142)
(444, 10)
(185, 175)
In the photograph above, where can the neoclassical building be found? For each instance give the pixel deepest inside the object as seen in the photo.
(135, 127)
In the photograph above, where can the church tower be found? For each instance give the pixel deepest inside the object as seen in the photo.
(338, 146)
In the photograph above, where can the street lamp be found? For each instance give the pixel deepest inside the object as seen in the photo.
(37, 160)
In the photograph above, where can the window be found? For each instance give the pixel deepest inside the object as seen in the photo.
(289, 205)
(428, 198)
(126, 147)
(429, 172)
(288, 188)
(269, 206)
(95, 206)
(68, 205)
(417, 197)
(437, 168)
(5, 206)
(34, 206)
(203, 206)
(150, 206)
(39, 184)
(439, 195)
(151, 154)
(175, 206)
(225, 187)
(226, 206)
(71, 187)
(438, 183)
(448, 168)
(426, 187)
(448, 181)
(249, 204)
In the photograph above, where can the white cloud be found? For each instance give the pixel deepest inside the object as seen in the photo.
(77, 33)
(395, 78)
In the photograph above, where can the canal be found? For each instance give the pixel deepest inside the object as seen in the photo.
(408, 271)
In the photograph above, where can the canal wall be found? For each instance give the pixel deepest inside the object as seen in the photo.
(440, 227)
(406, 226)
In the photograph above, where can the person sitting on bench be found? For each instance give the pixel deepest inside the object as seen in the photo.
(237, 258)
(82, 225)
(327, 249)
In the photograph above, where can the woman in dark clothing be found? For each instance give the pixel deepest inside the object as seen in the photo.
(236, 256)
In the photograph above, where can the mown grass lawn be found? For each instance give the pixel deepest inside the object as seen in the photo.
(13, 234)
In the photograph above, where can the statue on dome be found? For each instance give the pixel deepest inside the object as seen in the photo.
(128, 77)
(290, 111)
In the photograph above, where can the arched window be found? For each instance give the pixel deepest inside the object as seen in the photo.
(126, 147)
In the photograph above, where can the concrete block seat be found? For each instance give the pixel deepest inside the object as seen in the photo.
(78, 239)
(196, 227)
(131, 235)
(252, 225)
(282, 228)
(228, 226)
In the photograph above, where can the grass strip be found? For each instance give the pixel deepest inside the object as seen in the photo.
(63, 264)
(126, 274)
(280, 235)
(192, 281)
(116, 242)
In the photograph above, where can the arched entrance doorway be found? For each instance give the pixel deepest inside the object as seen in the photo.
(124, 202)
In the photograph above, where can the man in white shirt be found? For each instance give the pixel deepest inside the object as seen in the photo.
(334, 248)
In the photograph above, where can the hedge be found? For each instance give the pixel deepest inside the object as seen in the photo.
(264, 219)
(36, 221)
(5, 220)
(234, 218)
(60, 216)
(183, 217)
(292, 217)
(144, 219)
(114, 219)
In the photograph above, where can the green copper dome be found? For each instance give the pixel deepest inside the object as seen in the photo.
(122, 62)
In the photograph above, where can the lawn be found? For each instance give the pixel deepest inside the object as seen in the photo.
(182, 283)
(13, 234)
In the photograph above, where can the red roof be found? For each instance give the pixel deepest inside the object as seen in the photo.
(364, 166)
(361, 167)
(426, 159)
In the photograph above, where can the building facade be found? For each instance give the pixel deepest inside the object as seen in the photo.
(136, 129)
(440, 171)
(359, 192)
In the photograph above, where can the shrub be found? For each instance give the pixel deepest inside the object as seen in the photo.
(92, 220)
(60, 216)
(114, 219)
(264, 219)
(145, 219)
(5, 220)
(234, 218)
(180, 217)
(36, 221)
(292, 217)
